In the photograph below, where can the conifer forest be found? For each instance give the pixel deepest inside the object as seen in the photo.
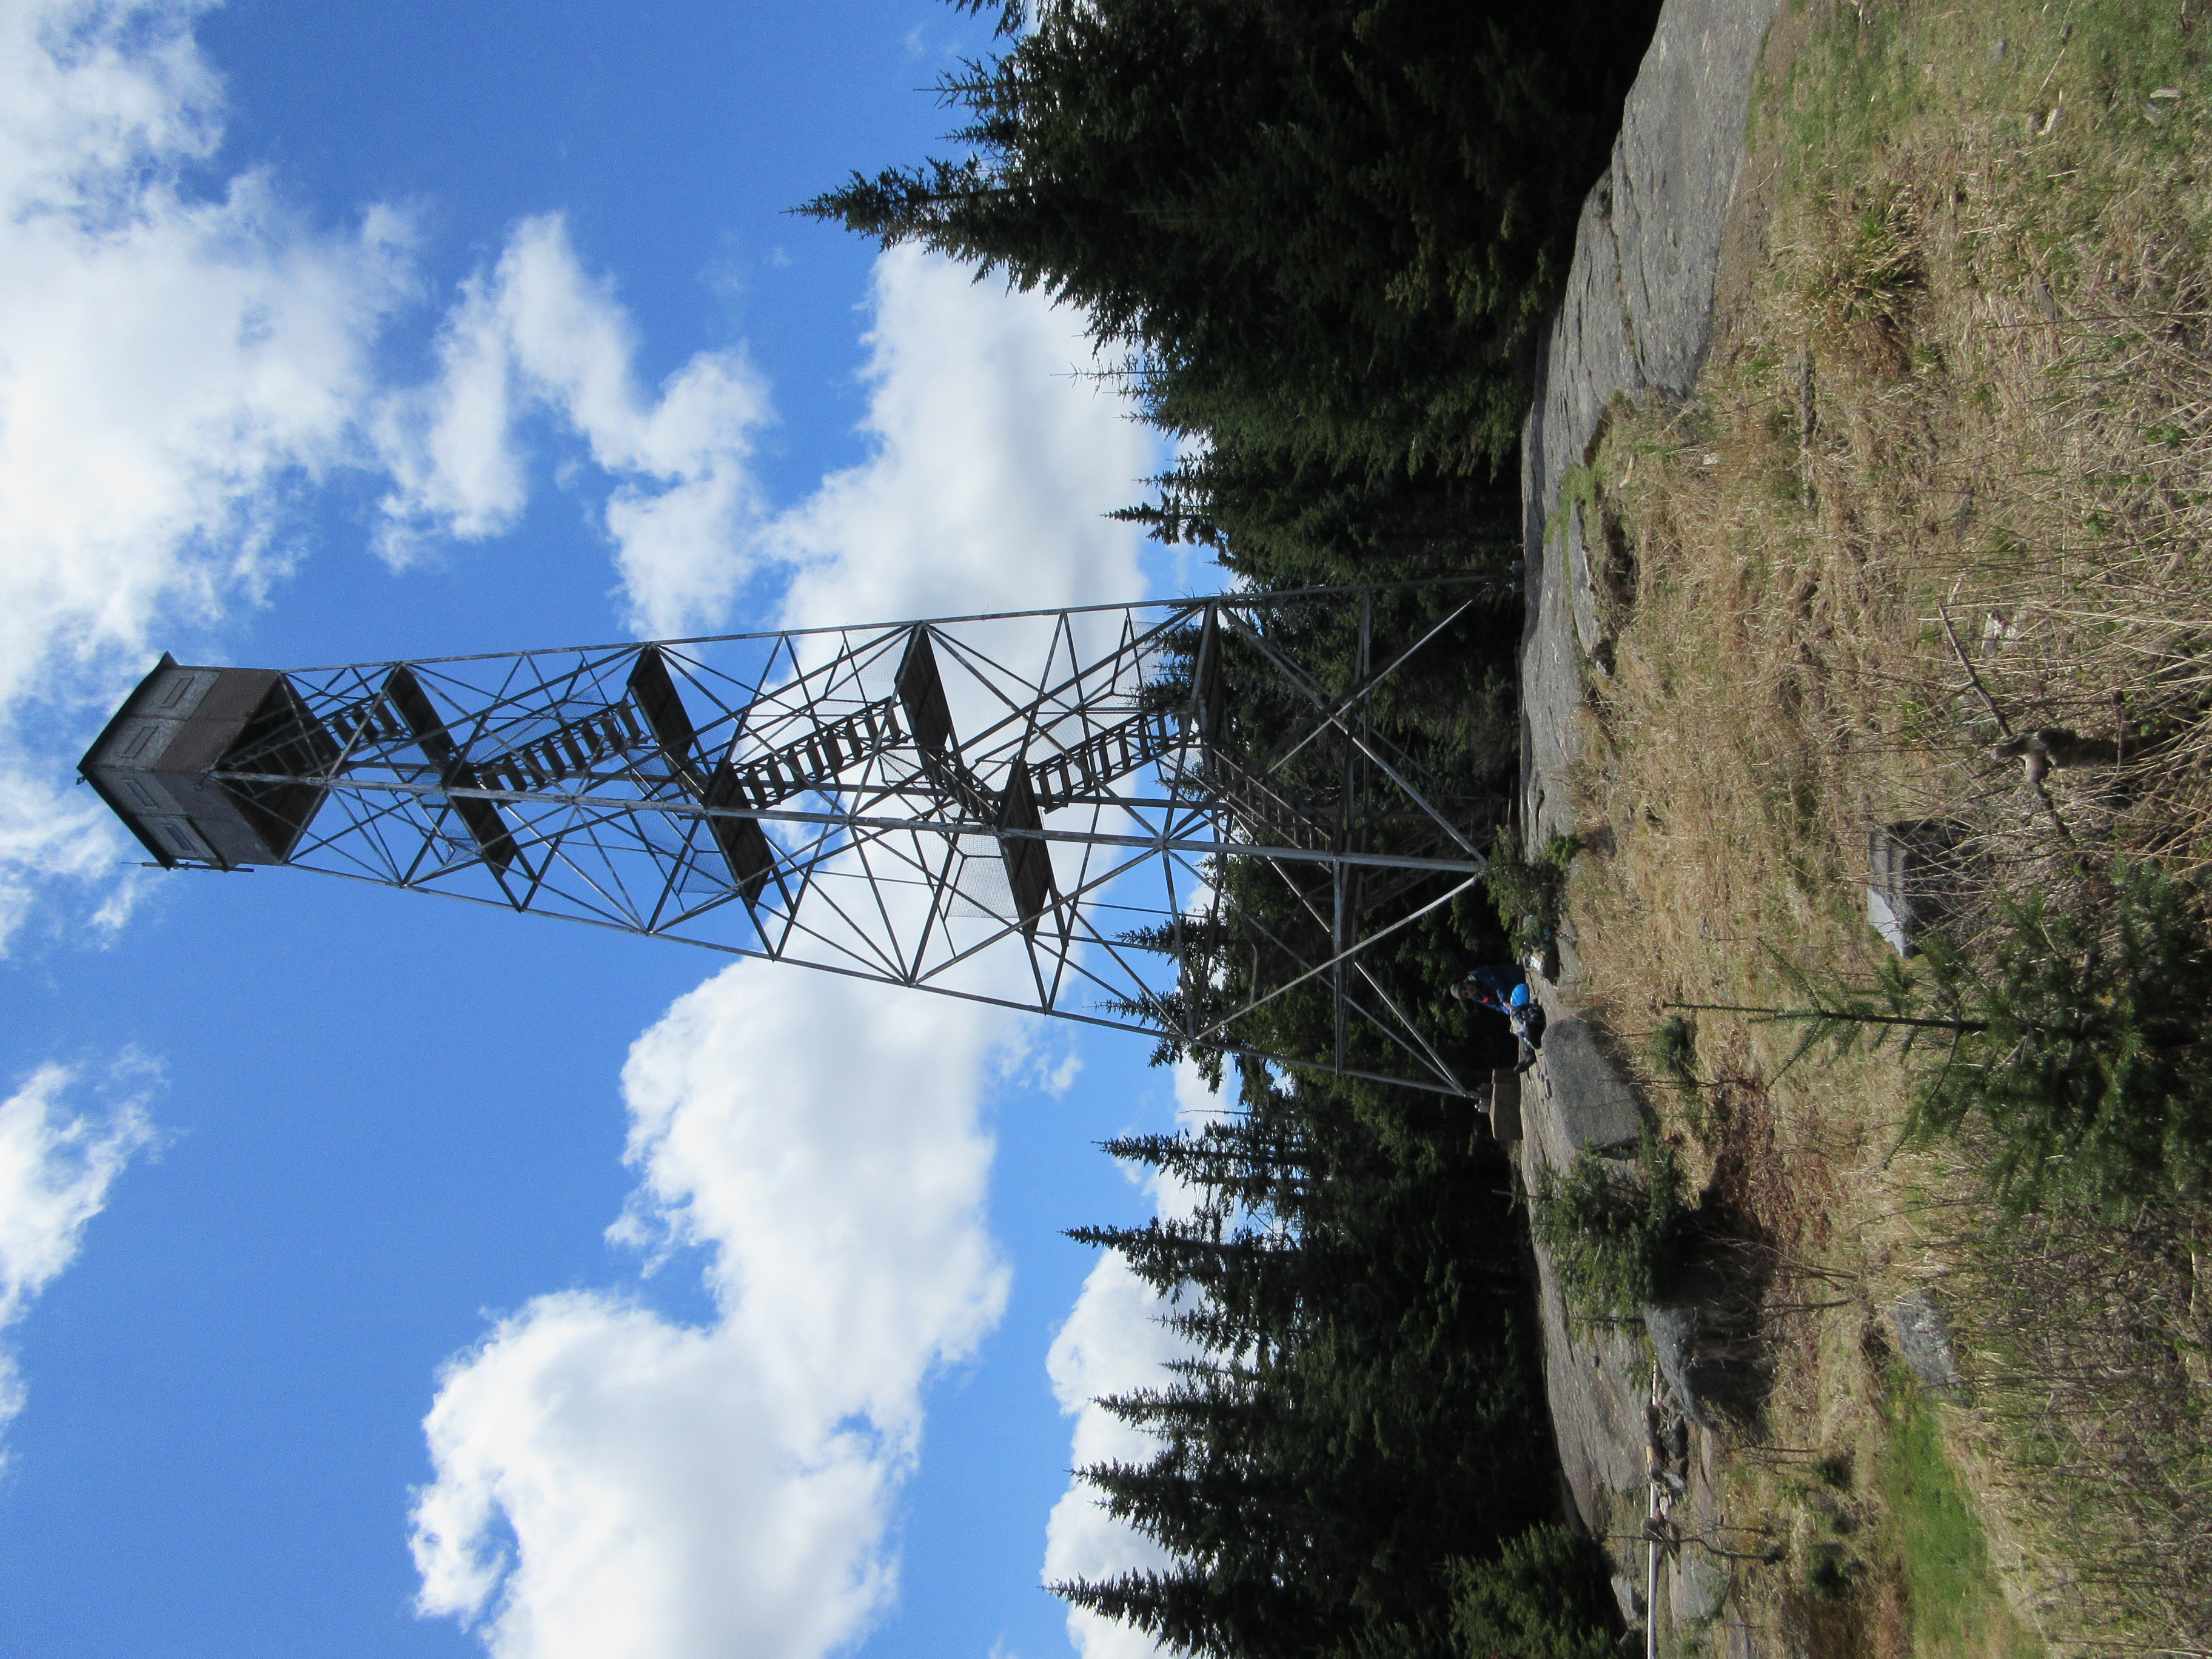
(1319, 242)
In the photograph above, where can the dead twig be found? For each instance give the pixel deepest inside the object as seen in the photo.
(2004, 725)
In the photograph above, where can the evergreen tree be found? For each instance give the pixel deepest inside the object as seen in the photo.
(1331, 229)
(1546, 1597)
(1248, 1164)
(2081, 1047)
(1195, 1611)
(1289, 521)
(1366, 1407)
(2075, 1043)
(1253, 1285)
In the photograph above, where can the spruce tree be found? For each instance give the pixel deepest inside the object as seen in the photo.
(1327, 229)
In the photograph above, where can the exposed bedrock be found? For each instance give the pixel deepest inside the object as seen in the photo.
(1637, 319)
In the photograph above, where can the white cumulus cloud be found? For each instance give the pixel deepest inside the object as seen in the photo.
(175, 361)
(983, 430)
(538, 336)
(56, 1166)
(1115, 1342)
(1112, 1343)
(995, 465)
(184, 362)
(609, 1482)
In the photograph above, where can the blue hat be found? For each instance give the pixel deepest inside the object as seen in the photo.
(1520, 998)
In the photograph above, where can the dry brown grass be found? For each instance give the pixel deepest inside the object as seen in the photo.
(1967, 390)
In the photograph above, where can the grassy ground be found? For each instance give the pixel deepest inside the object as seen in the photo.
(1947, 480)
(1933, 1526)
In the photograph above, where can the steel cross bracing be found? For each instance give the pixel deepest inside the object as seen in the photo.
(1042, 810)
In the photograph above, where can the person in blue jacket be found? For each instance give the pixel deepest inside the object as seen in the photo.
(1504, 987)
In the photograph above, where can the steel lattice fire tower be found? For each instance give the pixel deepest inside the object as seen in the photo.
(1051, 810)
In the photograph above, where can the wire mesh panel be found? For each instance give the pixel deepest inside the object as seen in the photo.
(1180, 819)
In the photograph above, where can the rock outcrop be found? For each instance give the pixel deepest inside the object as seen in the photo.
(1636, 320)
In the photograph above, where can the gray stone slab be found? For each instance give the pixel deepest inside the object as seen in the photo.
(1505, 1105)
(1924, 1339)
(1581, 586)
(1592, 1373)
(1592, 354)
(1628, 1596)
(1674, 173)
(1590, 1383)
(1674, 1334)
(1636, 316)
(1701, 1585)
(1588, 1099)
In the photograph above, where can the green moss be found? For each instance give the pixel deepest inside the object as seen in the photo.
(1951, 1594)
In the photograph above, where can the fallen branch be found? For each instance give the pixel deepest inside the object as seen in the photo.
(2004, 725)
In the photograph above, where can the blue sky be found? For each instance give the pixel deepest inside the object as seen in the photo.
(380, 1275)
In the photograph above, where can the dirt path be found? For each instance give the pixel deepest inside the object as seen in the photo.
(1638, 318)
